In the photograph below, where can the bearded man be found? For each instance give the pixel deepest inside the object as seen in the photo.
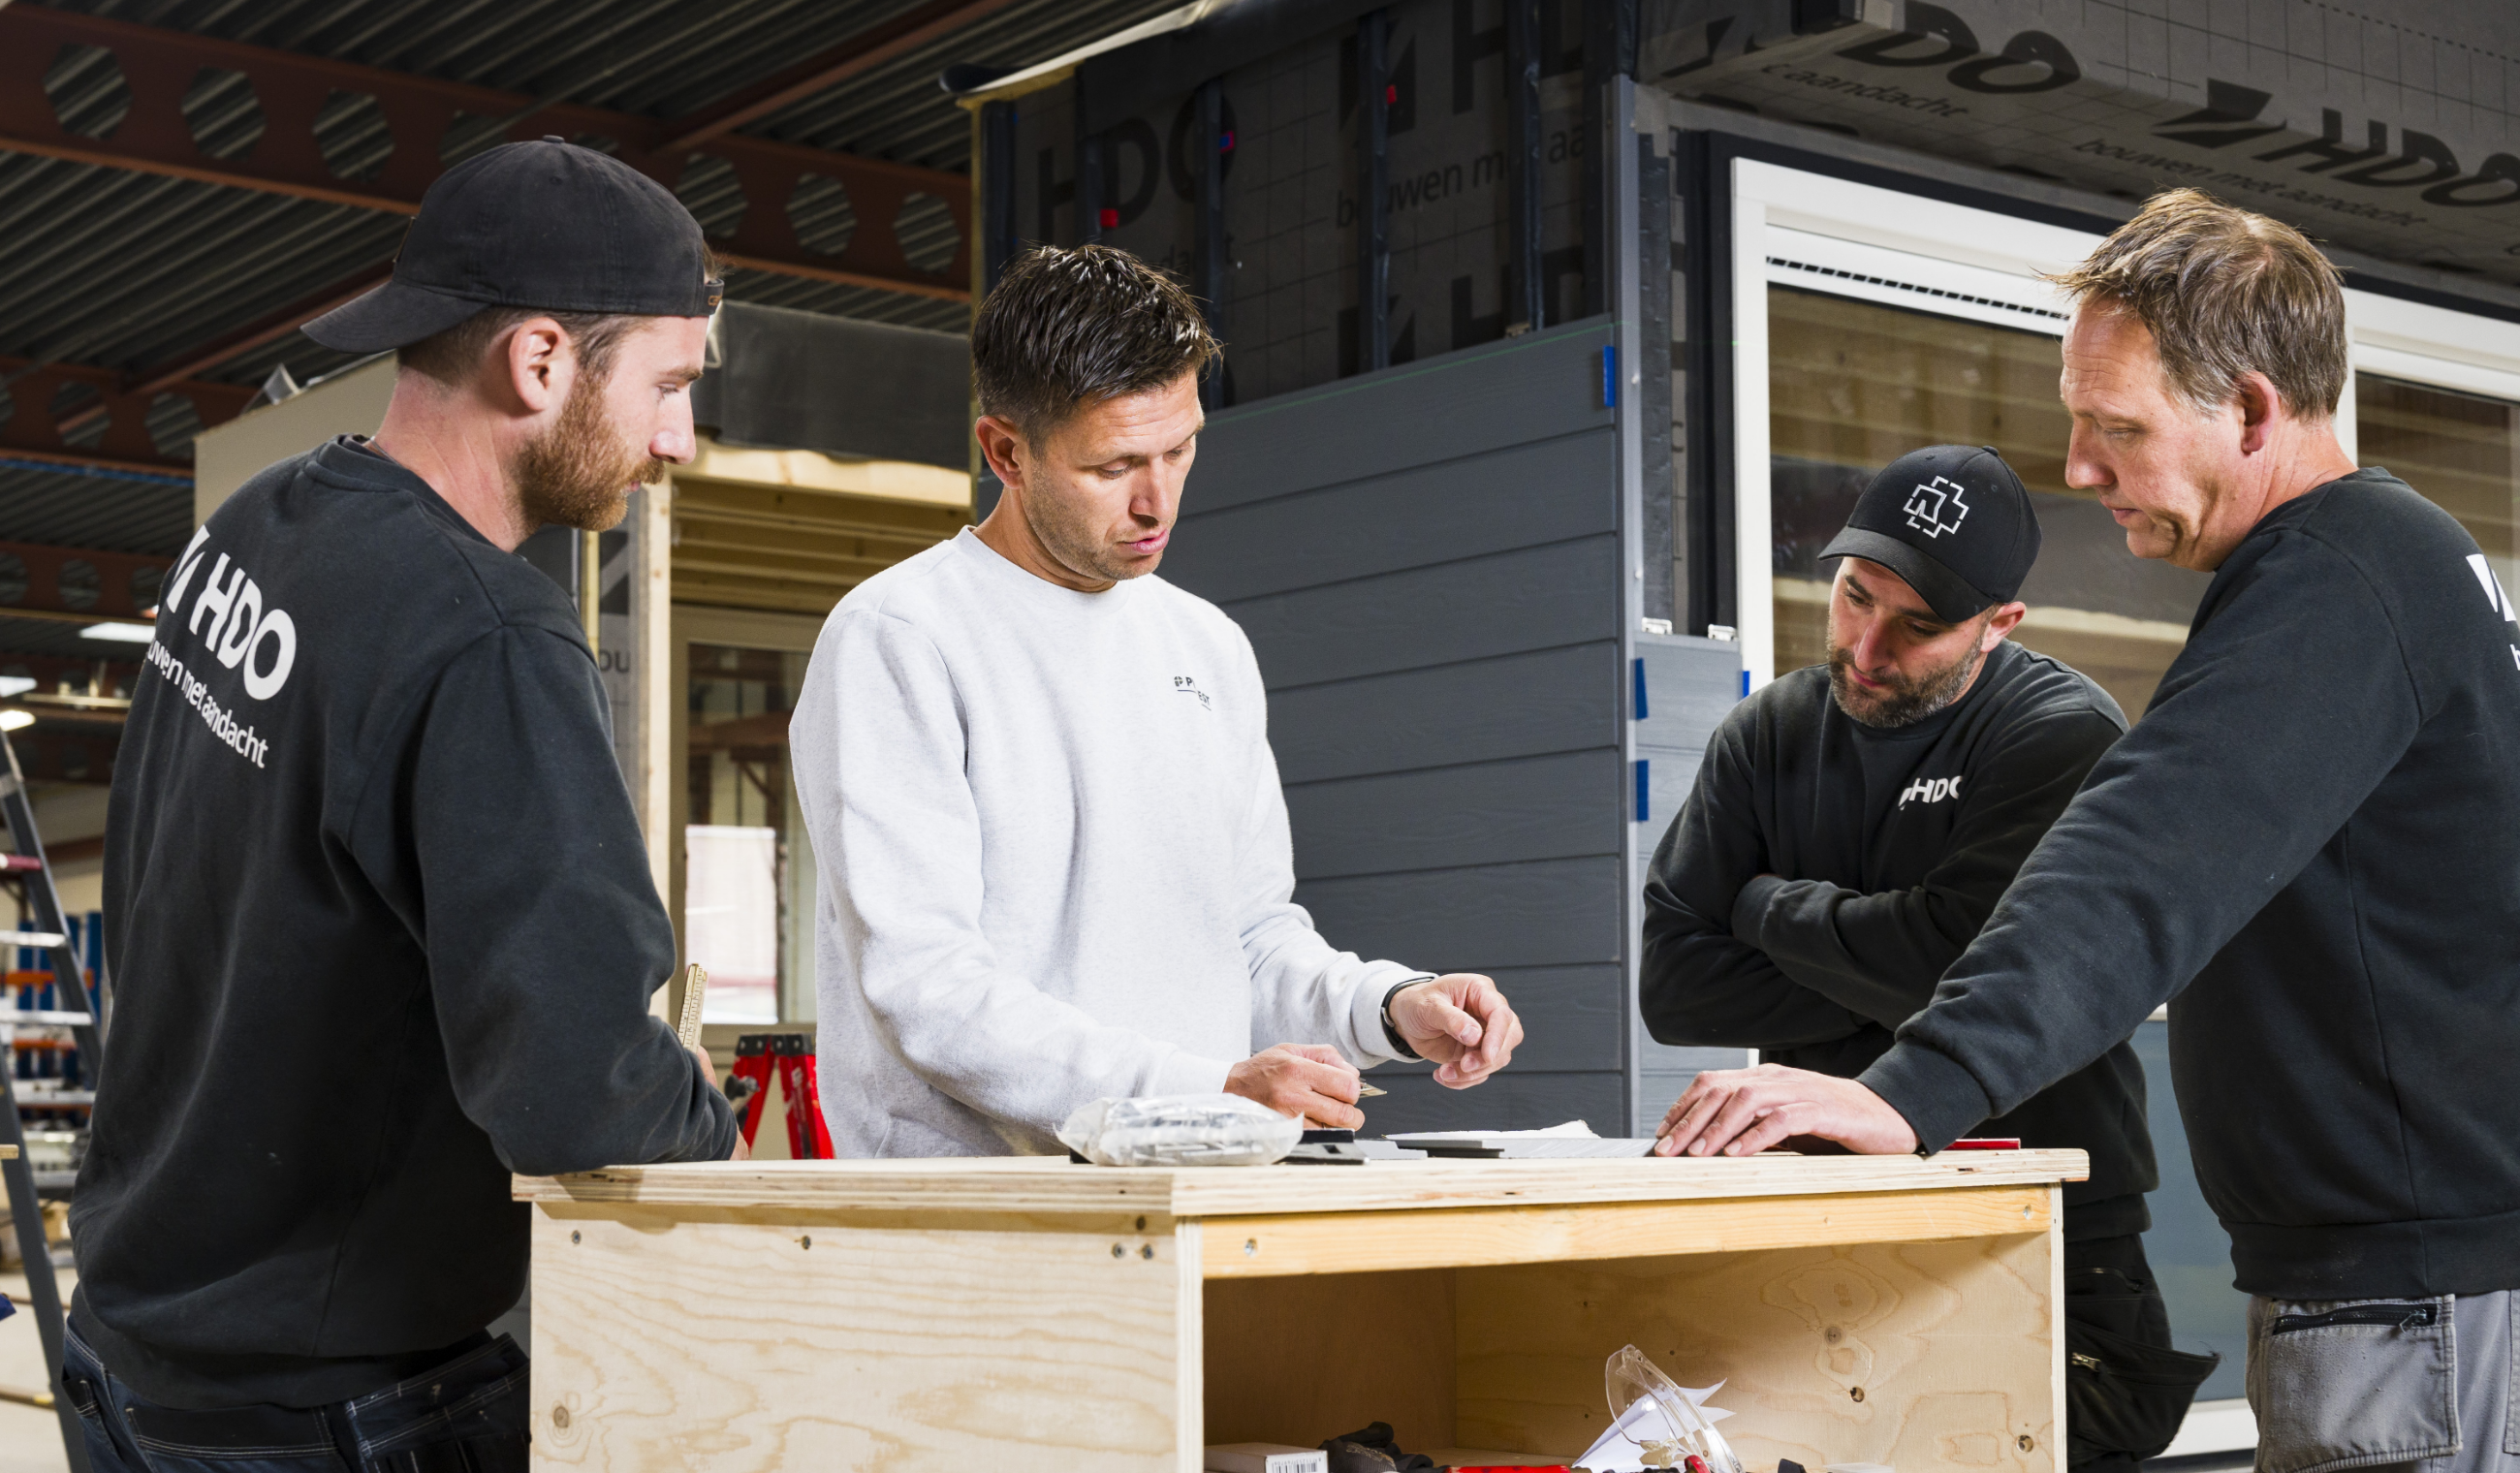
(380, 913)
(1852, 828)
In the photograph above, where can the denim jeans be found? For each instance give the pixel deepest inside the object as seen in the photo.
(465, 1416)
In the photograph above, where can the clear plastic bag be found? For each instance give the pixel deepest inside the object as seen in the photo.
(1660, 1417)
(1181, 1130)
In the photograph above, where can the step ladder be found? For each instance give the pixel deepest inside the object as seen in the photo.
(47, 930)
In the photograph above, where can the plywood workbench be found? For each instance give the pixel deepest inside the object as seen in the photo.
(1033, 1314)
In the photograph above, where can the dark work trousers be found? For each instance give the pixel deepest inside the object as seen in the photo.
(2126, 1388)
(465, 1416)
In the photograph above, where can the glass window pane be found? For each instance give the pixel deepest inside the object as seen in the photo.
(1853, 385)
(743, 847)
(2456, 448)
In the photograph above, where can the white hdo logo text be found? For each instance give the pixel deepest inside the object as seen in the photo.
(258, 643)
(2496, 598)
(1931, 501)
(1930, 791)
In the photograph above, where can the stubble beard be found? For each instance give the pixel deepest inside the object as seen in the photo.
(579, 473)
(1063, 529)
(1905, 703)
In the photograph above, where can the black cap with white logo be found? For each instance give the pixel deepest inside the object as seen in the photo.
(1952, 520)
(547, 225)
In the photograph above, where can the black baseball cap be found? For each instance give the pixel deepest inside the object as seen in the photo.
(547, 225)
(1952, 520)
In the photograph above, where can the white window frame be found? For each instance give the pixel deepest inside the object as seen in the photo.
(1880, 244)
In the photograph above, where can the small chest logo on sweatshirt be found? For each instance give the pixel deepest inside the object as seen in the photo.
(1935, 507)
(1184, 684)
(1930, 791)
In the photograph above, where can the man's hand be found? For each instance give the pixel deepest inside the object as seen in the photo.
(708, 1071)
(1462, 1022)
(1309, 1080)
(1742, 1112)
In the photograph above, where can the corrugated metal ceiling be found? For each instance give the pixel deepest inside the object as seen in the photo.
(125, 270)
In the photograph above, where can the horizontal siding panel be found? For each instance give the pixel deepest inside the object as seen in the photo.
(1516, 705)
(1543, 913)
(1469, 508)
(1494, 813)
(1508, 604)
(1573, 1017)
(1534, 387)
(1513, 1100)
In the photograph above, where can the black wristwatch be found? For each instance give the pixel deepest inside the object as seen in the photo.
(1399, 1044)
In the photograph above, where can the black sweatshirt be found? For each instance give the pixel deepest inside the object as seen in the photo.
(1822, 874)
(381, 931)
(2316, 833)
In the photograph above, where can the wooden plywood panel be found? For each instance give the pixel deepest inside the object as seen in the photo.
(1516, 705)
(1518, 1099)
(1263, 1246)
(1055, 1186)
(1532, 387)
(1467, 506)
(1545, 913)
(1299, 1360)
(1564, 593)
(1487, 813)
(1952, 1347)
(762, 1341)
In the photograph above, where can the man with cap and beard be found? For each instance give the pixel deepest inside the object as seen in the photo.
(380, 913)
(1853, 826)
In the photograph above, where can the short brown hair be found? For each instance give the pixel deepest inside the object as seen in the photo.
(2224, 292)
(1065, 329)
(455, 355)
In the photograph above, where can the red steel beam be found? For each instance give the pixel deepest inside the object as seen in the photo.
(78, 582)
(824, 69)
(159, 66)
(35, 433)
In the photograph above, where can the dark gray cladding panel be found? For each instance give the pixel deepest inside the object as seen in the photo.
(1571, 1019)
(1516, 705)
(1564, 593)
(1445, 817)
(1524, 390)
(1542, 914)
(1513, 1100)
(803, 381)
(1543, 492)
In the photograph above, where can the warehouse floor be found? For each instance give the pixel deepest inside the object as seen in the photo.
(30, 1439)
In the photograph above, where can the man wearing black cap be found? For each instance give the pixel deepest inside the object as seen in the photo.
(1852, 828)
(380, 920)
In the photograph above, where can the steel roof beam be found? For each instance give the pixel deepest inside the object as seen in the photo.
(159, 66)
(63, 584)
(824, 69)
(36, 430)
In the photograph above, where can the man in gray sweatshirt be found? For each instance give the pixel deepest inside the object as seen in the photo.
(2307, 847)
(1054, 852)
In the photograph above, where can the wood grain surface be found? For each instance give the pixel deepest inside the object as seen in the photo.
(1036, 1185)
(1940, 1355)
(1259, 1248)
(664, 1344)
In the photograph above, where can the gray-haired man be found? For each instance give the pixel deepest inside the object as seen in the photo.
(2310, 842)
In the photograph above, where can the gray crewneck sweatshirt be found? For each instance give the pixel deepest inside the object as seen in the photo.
(1054, 859)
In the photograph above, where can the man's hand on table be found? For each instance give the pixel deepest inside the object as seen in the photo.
(708, 1071)
(1742, 1112)
(1460, 1022)
(1310, 1080)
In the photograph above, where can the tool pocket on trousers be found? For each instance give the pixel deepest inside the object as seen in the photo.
(2345, 1383)
(238, 1440)
(2124, 1396)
